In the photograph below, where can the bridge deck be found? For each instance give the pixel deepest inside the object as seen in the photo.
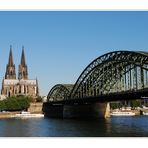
(127, 95)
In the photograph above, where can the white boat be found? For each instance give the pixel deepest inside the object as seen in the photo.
(28, 115)
(121, 113)
(144, 107)
(145, 113)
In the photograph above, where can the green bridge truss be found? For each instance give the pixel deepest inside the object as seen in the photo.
(114, 72)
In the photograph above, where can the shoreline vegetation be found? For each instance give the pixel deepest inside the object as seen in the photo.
(16, 104)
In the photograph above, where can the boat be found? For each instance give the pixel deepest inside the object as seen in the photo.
(144, 107)
(122, 113)
(28, 115)
(145, 113)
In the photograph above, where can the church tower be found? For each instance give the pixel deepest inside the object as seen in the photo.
(23, 72)
(10, 68)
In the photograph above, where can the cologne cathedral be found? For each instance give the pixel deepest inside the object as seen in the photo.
(13, 86)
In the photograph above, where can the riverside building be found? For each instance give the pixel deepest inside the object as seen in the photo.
(13, 86)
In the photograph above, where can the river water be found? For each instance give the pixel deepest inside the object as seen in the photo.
(44, 127)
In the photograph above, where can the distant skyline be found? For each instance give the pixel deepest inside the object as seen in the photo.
(60, 44)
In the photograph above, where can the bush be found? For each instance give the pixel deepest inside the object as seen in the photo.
(2, 106)
(115, 105)
(135, 103)
(15, 103)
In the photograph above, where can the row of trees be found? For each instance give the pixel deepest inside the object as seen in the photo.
(15, 103)
(133, 104)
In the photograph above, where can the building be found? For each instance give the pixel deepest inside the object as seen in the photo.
(13, 86)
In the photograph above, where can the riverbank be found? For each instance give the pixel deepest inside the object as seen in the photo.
(4, 115)
(34, 108)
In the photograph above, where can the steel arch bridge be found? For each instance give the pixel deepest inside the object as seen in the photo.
(59, 92)
(114, 73)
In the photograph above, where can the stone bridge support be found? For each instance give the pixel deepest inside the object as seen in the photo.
(101, 110)
(77, 111)
(96, 110)
(52, 111)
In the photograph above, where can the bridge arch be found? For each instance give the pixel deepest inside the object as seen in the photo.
(116, 71)
(59, 92)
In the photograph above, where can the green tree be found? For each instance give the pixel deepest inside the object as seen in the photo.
(135, 103)
(115, 105)
(2, 105)
(15, 103)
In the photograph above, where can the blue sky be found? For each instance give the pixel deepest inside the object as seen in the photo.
(59, 45)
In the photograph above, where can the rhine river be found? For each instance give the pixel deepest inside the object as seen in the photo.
(45, 127)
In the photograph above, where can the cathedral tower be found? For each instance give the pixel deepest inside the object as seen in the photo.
(10, 68)
(11, 86)
(23, 72)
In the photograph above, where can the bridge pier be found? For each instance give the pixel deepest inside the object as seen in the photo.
(95, 110)
(101, 110)
(52, 111)
(77, 111)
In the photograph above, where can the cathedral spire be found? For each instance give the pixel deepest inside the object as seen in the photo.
(10, 62)
(23, 72)
(10, 68)
(37, 87)
(23, 57)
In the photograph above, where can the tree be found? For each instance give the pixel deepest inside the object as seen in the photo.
(2, 105)
(135, 103)
(115, 105)
(15, 103)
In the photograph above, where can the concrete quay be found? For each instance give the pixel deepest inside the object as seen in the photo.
(34, 108)
(5, 115)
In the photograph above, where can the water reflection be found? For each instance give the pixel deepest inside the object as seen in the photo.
(45, 127)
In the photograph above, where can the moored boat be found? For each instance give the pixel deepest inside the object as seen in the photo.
(145, 113)
(28, 115)
(121, 113)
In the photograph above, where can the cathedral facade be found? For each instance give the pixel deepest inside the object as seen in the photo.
(13, 86)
